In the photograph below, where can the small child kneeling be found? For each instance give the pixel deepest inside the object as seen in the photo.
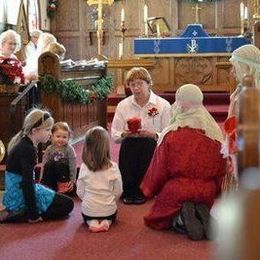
(99, 184)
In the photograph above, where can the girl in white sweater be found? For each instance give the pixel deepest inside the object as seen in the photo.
(99, 184)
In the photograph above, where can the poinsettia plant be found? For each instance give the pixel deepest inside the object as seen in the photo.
(11, 71)
(52, 7)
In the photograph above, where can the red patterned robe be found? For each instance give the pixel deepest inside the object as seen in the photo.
(187, 166)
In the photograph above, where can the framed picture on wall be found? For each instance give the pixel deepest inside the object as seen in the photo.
(159, 25)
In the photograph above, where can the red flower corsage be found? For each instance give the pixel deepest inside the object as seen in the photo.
(153, 111)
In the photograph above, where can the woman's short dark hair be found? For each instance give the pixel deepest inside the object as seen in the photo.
(138, 73)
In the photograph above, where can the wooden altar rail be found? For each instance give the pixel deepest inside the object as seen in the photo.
(12, 110)
(209, 71)
(226, 65)
(256, 34)
(79, 117)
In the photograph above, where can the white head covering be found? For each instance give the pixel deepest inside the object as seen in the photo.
(246, 60)
(188, 110)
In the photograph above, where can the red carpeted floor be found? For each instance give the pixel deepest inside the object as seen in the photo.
(70, 238)
(128, 239)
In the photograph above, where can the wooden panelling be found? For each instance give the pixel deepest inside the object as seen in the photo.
(6, 131)
(67, 16)
(231, 21)
(256, 34)
(78, 116)
(220, 18)
(187, 12)
(210, 73)
(215, 18)
(72, 44)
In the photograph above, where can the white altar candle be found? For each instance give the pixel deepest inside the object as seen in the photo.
(120, 50)
(158, 30)
(242, 11)
(246, 13)
(122, 15)
(145, 20)
(145, 13)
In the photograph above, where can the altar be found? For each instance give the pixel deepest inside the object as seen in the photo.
(193, 40)
(193, 57)
(179, 45)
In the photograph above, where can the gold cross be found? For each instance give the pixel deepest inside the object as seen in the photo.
(197, 9)
(100, 4)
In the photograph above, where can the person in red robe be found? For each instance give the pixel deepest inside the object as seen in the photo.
(245, 62)
(185, 173)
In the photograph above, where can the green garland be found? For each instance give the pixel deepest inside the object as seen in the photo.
(71, 91)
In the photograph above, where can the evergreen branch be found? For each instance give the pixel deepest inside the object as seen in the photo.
(71, 91)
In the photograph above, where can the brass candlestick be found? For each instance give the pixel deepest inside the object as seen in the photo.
(242, 26)
(123, 30)
(256, 9)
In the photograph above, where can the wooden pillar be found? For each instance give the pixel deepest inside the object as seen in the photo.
(256, 34)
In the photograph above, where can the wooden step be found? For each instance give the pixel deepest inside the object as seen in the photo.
(216, 103)
(209, 98)
(219, 112)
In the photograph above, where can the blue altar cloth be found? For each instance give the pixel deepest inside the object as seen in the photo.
(180, 45)
(194, 30)
(194, 39)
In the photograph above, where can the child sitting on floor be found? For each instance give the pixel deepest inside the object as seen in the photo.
(59, 161)
(99, 184)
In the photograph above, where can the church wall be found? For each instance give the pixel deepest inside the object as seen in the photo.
(73, 19)
(44, 19)
(74, 27)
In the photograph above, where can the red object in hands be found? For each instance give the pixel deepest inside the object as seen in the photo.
(134, 124)
(63, 187)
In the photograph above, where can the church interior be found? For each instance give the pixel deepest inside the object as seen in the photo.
(178, 42)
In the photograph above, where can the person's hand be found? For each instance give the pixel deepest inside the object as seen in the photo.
(70, 185)
(31, 76)
(233, 106)
(147, 133)
(127, 133)
(33, 221)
